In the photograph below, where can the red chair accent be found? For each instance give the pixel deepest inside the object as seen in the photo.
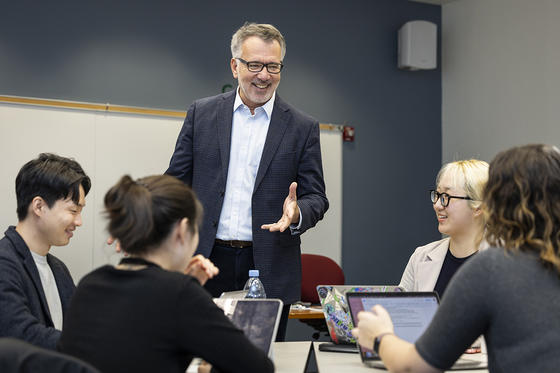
(318, 270)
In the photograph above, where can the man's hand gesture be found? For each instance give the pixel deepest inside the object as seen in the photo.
(290, 212)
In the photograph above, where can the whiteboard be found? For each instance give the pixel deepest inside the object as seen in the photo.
(109, 145)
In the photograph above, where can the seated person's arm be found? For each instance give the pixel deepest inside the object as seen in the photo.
(450, 332)
(397, 354)
(215, 339)
(16, 318)
(401, 356)
(407, 279)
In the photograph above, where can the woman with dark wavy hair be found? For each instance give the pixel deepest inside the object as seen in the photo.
(510, 293)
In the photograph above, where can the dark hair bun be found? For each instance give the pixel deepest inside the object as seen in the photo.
(142, 213)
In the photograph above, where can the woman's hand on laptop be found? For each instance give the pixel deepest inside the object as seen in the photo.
(201, 268)
(372, 324)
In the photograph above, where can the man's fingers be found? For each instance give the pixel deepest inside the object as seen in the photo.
(272, 227)
(280, 225)
(288, 212)
(292, 194)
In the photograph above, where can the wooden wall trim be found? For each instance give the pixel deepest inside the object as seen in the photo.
(115, 108)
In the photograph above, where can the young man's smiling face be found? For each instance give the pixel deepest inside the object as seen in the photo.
(58, 222)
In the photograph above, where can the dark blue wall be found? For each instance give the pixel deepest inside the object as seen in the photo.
(340, 68)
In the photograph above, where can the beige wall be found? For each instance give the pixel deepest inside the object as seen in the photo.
(108, 145)
(500, 76)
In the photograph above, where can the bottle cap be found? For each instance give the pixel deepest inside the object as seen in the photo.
(253, 273)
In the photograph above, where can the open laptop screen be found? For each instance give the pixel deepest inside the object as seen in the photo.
(257, 318)
(411, 312)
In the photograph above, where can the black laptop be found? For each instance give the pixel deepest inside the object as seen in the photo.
(411, 313)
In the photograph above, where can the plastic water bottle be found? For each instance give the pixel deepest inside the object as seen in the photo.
(254, 285)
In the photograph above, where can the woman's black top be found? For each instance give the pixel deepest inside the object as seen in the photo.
(152, 320)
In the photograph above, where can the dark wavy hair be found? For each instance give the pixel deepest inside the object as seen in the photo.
(52, 178)
(142, 213)
(522, 202)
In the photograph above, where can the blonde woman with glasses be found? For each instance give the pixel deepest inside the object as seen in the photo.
(457, 204)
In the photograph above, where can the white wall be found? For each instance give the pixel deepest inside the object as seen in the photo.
(108, 145)
(500, 76)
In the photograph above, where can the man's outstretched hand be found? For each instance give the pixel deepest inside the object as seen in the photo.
(290, 212)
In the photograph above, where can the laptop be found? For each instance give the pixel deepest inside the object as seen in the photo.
(237, 294)
(411, 313)
(337, 314)
(257, 318)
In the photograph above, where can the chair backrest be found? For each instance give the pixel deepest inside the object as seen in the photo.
(318, 270)
(17, 356)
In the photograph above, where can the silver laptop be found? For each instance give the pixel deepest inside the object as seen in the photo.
(257, 318)
(411, 313)
(237, 294)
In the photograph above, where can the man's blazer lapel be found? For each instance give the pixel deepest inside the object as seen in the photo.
(23, 251)
(224, 118)
(65, 288)
(33, 273)
(276, 130)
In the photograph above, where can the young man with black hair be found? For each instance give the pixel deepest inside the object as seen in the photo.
(35, 286)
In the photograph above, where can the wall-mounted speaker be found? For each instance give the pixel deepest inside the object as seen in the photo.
(418, 46)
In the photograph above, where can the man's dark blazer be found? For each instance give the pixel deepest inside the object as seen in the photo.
(291, 153)
(24, 313)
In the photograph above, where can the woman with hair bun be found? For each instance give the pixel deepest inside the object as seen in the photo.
(509, 292)
(145, 314)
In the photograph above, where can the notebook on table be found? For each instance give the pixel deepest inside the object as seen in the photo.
(411, 313)
(257, 318)
(337, 314)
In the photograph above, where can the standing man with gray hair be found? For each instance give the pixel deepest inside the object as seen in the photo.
(255, 163)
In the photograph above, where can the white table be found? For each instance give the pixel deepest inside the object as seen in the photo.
(291, 357)
(288, 357)
(338, 362)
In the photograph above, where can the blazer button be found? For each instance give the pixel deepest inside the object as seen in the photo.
(214, 224)
(222, 194)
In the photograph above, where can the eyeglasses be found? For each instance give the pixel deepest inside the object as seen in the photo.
(444, 198)
(256, 67)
